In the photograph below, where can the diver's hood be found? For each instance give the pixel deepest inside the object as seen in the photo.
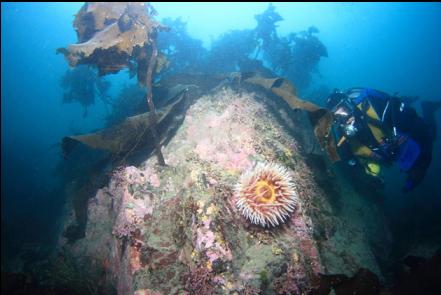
(334, 99)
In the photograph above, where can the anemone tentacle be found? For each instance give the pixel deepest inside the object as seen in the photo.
(265, 195)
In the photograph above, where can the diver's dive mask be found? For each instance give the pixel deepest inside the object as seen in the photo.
(343, 112)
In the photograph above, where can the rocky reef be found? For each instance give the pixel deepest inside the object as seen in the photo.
(176, 229)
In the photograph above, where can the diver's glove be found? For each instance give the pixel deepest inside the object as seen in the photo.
(390, 147)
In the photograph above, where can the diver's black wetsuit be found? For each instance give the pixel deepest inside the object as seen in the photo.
(404, 119)
(423, 131)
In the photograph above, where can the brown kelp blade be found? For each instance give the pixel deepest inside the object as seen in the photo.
(111, 36)
(121, 137)
(320, 118)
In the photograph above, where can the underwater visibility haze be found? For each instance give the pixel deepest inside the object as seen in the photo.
(220, 148)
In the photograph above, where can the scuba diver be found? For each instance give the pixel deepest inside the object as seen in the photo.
(375, 129)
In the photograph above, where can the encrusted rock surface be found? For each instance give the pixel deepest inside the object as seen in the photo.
(176, 229)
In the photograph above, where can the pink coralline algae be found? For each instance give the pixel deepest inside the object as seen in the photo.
(230, 155)
(142, 176)
(132, 216)
(206, 241)
(154, 180)
(146, 292)
(302, 233)
(222, 139)
(133, 175)
(124, 230)
(133, 212)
